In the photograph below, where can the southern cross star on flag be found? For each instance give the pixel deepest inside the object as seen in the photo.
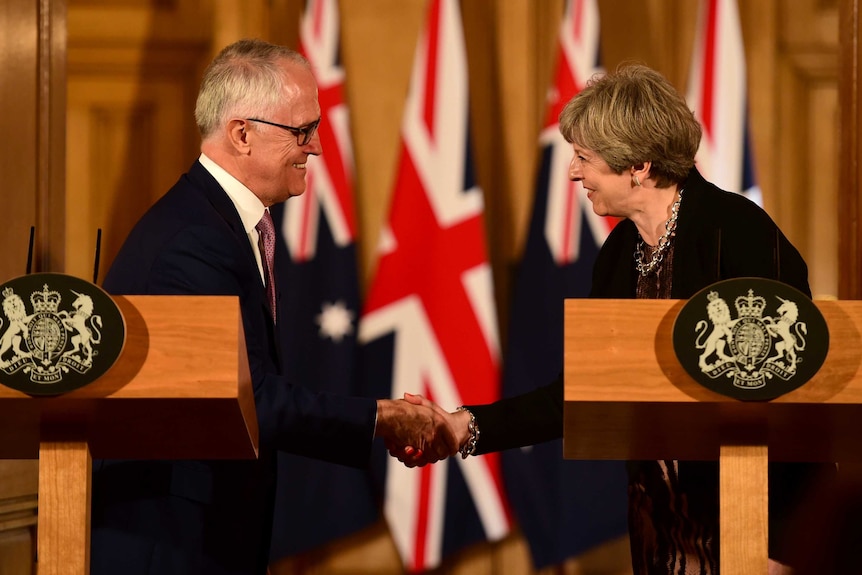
(429, 325)
(564, 507)
(318, 502)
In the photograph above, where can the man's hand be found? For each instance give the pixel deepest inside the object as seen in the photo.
(419, 430)
(414, 455)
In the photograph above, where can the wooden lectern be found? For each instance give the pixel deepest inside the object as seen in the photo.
(628, 398)
(180, 389)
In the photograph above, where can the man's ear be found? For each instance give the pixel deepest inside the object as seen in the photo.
(237, 134)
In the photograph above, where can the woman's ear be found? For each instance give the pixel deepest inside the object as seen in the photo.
(640, 173)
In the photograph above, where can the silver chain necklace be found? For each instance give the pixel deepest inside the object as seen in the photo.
(663, 243)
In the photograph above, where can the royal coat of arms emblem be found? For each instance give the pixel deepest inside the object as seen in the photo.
(775, 341)
(51, 346)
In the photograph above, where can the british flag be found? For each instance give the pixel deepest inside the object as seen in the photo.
(717, 92)
(563, 507)
(320, 287)
(429, 325)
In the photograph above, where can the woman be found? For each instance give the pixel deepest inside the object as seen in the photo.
(634, 141)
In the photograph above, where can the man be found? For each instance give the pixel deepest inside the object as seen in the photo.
(257, 112)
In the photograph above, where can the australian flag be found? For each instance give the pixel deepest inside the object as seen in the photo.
(318, 502)
(564, 507)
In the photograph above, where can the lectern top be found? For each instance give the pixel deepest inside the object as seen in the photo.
(180, 389)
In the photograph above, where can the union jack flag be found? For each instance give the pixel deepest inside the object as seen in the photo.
(320, 287)
(563, 507)
(429, 325)
(330, 181)
(577, 61)
(717, 93)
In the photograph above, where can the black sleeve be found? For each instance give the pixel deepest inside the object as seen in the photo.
(534, 417)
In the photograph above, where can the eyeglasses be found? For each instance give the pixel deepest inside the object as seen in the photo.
(303, 134)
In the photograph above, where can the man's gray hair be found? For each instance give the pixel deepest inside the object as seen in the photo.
(245, 80)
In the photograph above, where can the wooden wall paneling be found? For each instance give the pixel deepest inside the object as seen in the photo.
(850, 178)
(50, 167)
(807, 136)
(19, 99)
(32, 99)
(139, 23)
(651, 33)
(670, 28)
(284, 16)
(628, 33)
(803, 184)
(131, 92)
(760, 35)
(17, 551)
(788, 213)
(821, 190)
(810, 23)
(18, 510)
(127, 146)
(237, 19)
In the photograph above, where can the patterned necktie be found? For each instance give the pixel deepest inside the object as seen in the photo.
(266, 229)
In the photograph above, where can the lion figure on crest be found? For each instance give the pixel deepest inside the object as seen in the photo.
(719, 315)
(16, 313)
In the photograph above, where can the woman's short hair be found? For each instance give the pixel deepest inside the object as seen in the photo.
(245, 80)
(632, 116)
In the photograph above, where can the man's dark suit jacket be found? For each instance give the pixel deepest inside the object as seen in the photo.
(213, 517)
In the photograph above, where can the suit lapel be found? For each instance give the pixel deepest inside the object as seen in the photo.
(222, 203)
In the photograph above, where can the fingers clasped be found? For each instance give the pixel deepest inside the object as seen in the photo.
(427, 432)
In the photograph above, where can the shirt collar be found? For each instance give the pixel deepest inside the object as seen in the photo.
(249, 206)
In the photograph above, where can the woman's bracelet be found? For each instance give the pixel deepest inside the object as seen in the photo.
(470, 446)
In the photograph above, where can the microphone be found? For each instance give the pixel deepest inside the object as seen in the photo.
(30, 250)
(777, 256)
(96, 259)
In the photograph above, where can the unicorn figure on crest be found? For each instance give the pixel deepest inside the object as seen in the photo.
(780, 327)
(87, 335)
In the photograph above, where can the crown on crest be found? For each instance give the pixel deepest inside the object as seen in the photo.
(8, 292)
(750, 306)
(712, 296)
(45, 301)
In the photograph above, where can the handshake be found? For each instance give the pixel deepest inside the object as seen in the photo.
(418, 432)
